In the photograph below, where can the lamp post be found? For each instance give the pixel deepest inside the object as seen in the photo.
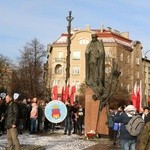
(69, 19)
(145, 91)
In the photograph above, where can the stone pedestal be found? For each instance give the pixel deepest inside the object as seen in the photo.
(91, 115)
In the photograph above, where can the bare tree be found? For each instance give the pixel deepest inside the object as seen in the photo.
(5, 74)
(30, 71)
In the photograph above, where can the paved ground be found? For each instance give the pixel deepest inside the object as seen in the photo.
(104, 144)
(58, 141)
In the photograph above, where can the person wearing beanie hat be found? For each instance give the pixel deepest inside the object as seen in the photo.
(130, 110)
(127, 141)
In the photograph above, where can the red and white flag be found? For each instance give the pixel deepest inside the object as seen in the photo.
(67, 92)
(134, 95)
(72, 94)
(139, 97)
(63, 95)
(55, 93)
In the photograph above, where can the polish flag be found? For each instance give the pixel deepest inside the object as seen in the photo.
(72, 95)
(63, 95)
(134, 95)
(139, 97)
(55, 93)
(67, 92)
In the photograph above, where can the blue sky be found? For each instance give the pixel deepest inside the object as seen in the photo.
(23, 20)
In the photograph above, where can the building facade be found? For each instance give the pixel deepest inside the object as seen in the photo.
(146, 81)
(117, 45)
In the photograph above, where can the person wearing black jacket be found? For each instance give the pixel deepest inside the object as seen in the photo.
(146, 114)
(11, 123)
(2, 119)
(80, 118)
(68, 119)
(127, 141)
(74, 117)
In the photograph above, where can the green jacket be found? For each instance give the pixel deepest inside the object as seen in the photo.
(11, 115)
(145, 138)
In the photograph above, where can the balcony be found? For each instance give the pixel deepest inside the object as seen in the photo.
(60, 60)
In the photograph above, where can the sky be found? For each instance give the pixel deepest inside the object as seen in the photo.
(23, 20)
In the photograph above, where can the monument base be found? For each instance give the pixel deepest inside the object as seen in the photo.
(91, 115)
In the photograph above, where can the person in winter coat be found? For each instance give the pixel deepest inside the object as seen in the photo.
(127, 141)
(74, 117)
(68, 119)
(110, 123)
(34, 117)
(146, 114)
(2, 114)
(80, 118)
(11, 123)
(145, 138)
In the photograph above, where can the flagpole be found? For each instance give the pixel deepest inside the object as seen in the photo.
(69, 19)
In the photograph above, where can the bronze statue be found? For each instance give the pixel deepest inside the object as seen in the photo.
(103, 87)
(95, 63)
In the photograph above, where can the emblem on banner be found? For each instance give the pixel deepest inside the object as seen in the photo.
(55, 111)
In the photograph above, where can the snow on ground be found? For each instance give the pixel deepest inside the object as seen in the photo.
(51, 141)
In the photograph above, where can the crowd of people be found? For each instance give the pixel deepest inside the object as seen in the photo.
(18, 116)
(117, 125)
(74, 119)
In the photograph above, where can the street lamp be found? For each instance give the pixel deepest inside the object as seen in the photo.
(145, 91)
(69, 19)
(146, 53)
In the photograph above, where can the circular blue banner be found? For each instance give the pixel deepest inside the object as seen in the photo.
(55, 111)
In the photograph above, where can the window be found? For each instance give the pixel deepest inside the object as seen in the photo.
(76, 70)
(149, 81)
(121, 57)
(128, 59)
(149, 70)
(83, 41)
(59, 57)
(77, 84)
(58, 69)
(128, 87)
(76, 55)
(108, 70)
(60, 54)
(137, 60)
(138, 75)
(108, 54)
(57, 82)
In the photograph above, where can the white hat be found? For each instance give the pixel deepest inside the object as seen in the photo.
(2, 95)
(15, 96)
(130, 110)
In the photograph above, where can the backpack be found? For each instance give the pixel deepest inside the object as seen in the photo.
(135, 125)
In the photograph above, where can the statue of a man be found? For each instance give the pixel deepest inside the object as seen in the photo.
(95, 62)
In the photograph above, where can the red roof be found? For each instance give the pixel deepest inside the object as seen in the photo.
(105, 36)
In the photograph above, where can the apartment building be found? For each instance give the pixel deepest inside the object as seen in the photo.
(117, 45)
(146, 80)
